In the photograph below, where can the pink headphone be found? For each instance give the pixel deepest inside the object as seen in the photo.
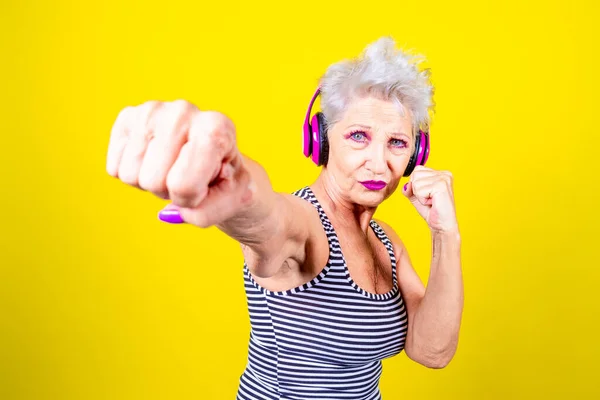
(317, 147)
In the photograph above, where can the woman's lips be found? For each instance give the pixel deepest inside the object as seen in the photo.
(374, 185)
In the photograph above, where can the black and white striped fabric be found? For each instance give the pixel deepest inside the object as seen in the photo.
(324, 339)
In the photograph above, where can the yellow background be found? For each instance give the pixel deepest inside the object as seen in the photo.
(100, 300)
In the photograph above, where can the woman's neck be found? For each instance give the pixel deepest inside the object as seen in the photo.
(347, 215)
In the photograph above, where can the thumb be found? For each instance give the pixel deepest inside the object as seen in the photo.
(171, 214)
(415, 198)
(407, 191)
(219, 205)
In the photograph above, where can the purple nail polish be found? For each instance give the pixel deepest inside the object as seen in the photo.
(170, 216)
(405, 186)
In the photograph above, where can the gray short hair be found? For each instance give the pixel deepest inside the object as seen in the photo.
(380, 71)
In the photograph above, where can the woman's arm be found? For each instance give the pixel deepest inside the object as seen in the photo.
(190, 157)
(272, 227)
(436, 321)
(435, 312)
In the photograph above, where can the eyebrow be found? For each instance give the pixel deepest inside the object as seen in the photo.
(368, 127)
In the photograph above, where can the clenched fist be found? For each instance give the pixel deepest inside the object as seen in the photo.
(431, 193)
(182, 154)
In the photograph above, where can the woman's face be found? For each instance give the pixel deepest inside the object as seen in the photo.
(369, 149)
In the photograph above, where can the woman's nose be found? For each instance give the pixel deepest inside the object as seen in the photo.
(377, 162)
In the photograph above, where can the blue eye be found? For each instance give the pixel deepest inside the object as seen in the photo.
(398, 143)
(357, 136)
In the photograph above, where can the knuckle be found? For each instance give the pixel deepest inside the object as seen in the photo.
(216, 122)
(123, 118)
(182, 107)
(146, 114)
(218, 118)
(150, 109)
(144, 108)
(219, 142)
(126, 112)
(213, 129)
(175, 118)
(150, 104)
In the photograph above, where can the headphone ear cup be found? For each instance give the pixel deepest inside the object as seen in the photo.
(426, 146)
(412, 163)
(307, 131)
(324, 142)
(315, 139)
(307, 141)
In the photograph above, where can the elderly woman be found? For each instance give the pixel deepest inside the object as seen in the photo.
(331, 291)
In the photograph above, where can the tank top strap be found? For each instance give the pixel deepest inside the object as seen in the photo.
(335, 253)
(380, 233)
(307, 194)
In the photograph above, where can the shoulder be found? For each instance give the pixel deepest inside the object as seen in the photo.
(398, 244)
(295, 238)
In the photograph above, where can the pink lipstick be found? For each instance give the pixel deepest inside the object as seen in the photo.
(374, 185)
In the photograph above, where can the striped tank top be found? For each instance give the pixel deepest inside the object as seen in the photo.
(326, 338)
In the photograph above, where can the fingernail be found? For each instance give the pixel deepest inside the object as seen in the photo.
(405, 186)
(170, 216)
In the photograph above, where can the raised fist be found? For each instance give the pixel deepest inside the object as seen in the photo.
(179, 153)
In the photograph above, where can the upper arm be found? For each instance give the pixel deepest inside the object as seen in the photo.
(272, 228)
(291, 225)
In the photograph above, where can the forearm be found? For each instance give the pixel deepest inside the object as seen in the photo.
(437, 320)
(262, 224)
(255, 223)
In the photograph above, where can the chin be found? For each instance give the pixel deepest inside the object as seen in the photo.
(371, 198)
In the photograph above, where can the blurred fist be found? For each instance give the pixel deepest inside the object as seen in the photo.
(182, 154)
